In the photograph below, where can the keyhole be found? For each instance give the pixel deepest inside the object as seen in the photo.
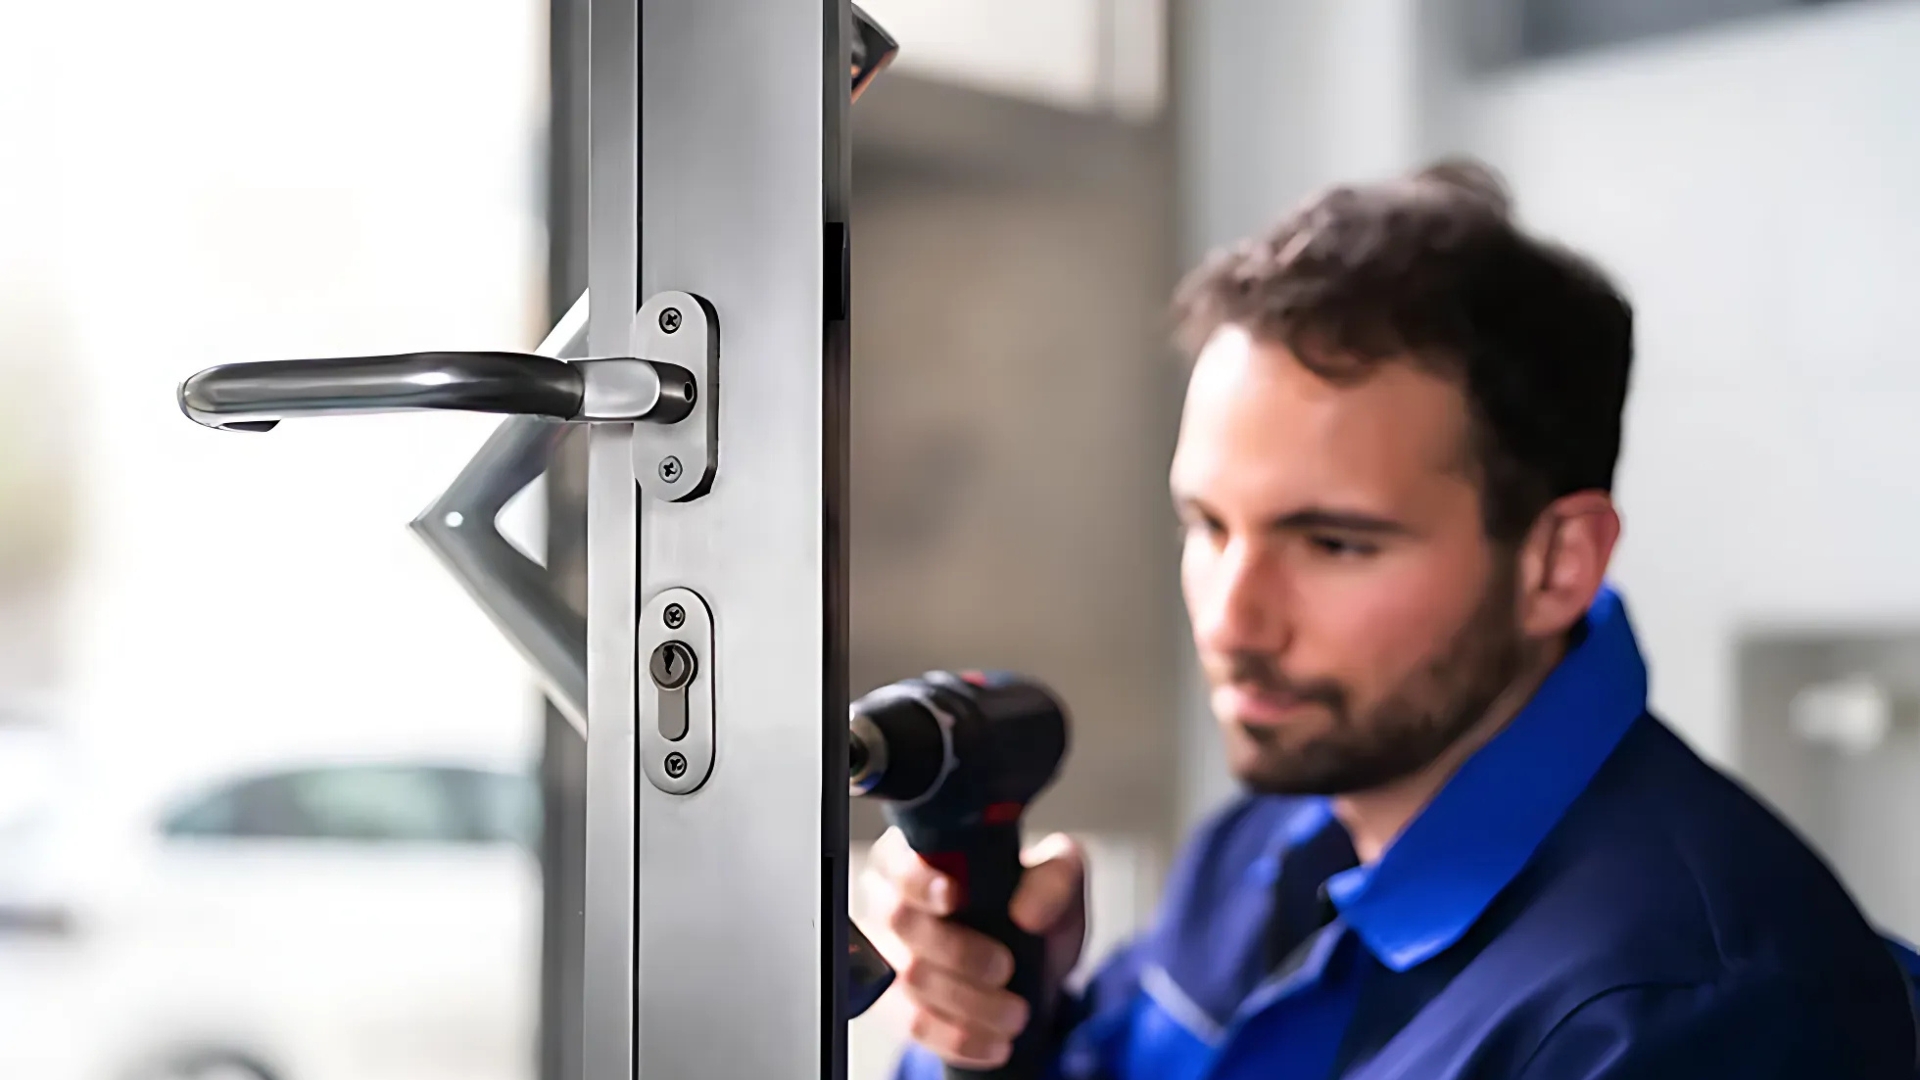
(672, 668)
(672, 665)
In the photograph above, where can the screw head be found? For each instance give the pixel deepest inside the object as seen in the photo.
(670, 469)
(675, 616)
(676, 765)
(670, 320)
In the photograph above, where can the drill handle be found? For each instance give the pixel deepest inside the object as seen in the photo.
(983, 862)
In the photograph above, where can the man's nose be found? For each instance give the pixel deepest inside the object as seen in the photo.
(1244, 602)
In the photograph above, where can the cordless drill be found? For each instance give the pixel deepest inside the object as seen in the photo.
(957, 758)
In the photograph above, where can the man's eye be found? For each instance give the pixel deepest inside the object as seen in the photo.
(1341, 547)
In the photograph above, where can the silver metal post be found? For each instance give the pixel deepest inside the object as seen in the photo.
(716, 919)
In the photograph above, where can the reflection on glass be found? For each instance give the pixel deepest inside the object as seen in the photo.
(421, 804)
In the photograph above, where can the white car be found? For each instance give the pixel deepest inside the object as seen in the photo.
(315, 920)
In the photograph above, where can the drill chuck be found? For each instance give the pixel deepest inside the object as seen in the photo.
(900, 742)
(965, 741)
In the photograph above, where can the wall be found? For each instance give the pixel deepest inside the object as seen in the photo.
(1010, 418)
(1084, 55)
(1856, 803)
(1752, 187)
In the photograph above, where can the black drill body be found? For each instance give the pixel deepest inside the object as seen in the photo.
(957, 758)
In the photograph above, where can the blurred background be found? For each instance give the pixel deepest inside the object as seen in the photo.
(277, 803)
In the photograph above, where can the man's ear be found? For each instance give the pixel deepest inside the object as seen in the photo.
(1563, 561)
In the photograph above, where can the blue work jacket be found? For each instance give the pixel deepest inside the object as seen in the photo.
(1586, 899)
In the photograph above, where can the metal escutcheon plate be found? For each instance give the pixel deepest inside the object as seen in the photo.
(677, 766)
(675, 462)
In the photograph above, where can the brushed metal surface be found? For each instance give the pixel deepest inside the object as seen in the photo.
(715, 933)
(462, 530)
(741, 929)
(675, 462)
(520, 596)
(256, 396)
(625, 388)
(676, 615)
(607, 1016)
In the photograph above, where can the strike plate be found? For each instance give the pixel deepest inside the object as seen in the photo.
(677, 624)
(675, 462)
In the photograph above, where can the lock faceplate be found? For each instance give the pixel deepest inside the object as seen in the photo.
(674, 686)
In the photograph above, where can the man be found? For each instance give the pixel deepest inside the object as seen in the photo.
(1466, 850)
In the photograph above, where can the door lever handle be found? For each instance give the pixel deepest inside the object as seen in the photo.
(256, 396)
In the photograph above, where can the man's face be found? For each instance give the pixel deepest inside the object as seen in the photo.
(1350, 612)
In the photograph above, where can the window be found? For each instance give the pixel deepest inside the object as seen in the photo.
(497, 807)
(375, 804)
(370, 804)
(1547, 29)
(211, 816)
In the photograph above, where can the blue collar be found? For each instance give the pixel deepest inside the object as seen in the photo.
(1437, 879)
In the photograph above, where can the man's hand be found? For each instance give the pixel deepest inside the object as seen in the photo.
(956, 978)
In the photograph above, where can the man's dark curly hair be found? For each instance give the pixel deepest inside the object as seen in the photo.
(1431, 268)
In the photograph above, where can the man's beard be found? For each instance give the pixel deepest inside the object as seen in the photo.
(1423, 716)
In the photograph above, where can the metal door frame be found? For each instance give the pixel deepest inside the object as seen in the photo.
(563, 753)
(715, 921)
